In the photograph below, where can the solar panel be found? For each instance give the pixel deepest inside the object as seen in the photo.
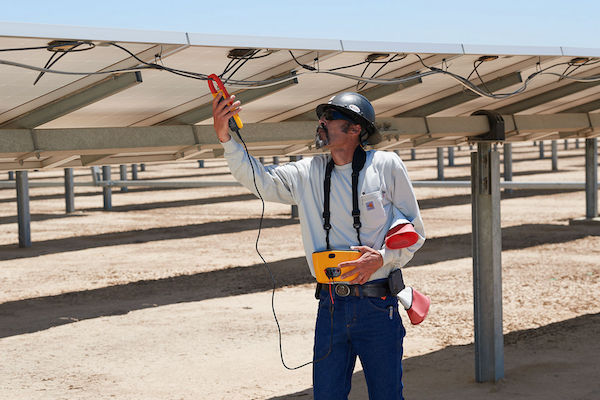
(55, 110)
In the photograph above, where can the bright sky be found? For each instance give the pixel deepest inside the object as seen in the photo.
(508, 22)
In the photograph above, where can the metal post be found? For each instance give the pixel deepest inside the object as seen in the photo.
(106, 190)
(413, 154)
(200, 163)
(294, 212)
(261, 160)
(451, 156)
(487, 264)
(134, 174)
(554, 156)
(69, 193)
(23, 216)
(123, 176)
(440, 163)
(142, 167)
(275, 160)
(576, 143)
(11, 175)
(541, 149)
(591, 178)
(507, 160)
(566, 144)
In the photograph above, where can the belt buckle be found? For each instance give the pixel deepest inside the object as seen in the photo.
(342, 290)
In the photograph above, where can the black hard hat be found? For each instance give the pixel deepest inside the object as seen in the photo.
(359, 108)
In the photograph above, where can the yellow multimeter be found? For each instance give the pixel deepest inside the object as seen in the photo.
(223, 92)
(326, 264)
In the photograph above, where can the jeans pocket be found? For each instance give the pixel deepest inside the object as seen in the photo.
(382, 305)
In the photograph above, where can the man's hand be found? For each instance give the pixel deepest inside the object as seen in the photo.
(222, 111)
(369, 262)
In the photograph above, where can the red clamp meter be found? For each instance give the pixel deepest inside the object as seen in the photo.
(212, 78)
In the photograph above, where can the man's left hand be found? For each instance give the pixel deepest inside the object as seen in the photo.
(369, 262)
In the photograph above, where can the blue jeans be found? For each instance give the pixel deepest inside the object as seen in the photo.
(367, 327)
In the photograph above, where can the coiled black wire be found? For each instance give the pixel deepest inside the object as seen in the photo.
(233, 126)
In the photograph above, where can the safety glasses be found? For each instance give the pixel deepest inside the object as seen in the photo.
(332, 114)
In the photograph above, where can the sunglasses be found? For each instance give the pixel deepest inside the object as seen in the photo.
(332, 114)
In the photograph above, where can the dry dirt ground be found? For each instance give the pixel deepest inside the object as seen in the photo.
(164, 297)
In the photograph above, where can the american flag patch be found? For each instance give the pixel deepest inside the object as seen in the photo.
(370, 205)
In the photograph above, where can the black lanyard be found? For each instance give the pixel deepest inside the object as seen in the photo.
(358, 162)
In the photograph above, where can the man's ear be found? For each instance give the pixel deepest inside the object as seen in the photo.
(355, 129)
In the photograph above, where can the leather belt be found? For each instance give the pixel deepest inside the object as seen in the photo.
(378, 289)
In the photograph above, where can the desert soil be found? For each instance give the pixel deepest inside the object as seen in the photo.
(164, 297)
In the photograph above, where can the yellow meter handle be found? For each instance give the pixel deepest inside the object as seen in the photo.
(223, 92)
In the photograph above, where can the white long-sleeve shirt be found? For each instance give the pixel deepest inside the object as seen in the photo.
(386, 199)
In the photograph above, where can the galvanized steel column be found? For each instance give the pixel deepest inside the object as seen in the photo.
(294, 213)
(69, 192)
(507, 160)
(554, 156)
(106, 190)
(200, 163)
(134, 170)
(541, 149)
(451, 156)
(11, 175)
(440, 163)
(591, 178)
(413, 154)
(487, 263)
(123, 176)
(23, 216)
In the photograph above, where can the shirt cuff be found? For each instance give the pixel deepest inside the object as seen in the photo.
(386, 253)
(399, 221)
(230, 146)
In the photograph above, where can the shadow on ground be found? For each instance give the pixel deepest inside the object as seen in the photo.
(38, 217)
(32, 315)
(513, 238)
(434, 250)
(461, 199)
(117, 192)
(36, 314)
(75, 243)
(545, 363)
(176, 203)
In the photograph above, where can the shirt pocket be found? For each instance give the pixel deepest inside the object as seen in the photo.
(372, 213)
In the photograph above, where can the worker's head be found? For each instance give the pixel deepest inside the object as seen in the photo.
(353, 114)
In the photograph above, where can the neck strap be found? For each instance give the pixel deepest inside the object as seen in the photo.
(358, 162)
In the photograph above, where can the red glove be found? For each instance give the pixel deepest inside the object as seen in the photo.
(401, 236)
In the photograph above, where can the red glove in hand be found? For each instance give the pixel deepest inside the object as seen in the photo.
(401, 236)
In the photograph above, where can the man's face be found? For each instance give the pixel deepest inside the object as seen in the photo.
(337, 129)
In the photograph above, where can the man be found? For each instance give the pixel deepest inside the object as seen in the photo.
(359, 317)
